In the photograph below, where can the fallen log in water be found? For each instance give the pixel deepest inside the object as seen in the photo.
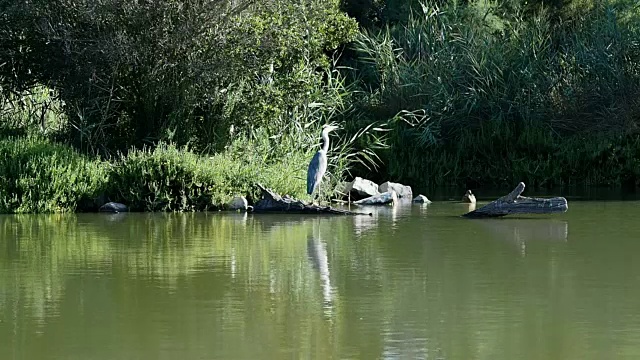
(272, 202)
(513, 203)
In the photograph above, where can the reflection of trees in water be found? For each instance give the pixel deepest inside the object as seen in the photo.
(442, 287)
(520, 231)
(472, 296)
(52, 260)
(34, 260)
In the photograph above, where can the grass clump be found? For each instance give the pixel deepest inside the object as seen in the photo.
(38, 176)
(164, 179)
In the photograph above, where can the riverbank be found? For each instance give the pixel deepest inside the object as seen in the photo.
(39, 176)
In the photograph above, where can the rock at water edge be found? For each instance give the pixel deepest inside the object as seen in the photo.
(421, 199)
(113, 207)
(402, 190)
(238, 203)
(360, 187)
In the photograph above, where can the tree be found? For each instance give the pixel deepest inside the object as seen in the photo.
(131, 73)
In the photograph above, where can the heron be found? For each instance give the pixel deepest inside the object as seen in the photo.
(318, 164)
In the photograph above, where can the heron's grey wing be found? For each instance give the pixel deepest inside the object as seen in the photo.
(317, 167)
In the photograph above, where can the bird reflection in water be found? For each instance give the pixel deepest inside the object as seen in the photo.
(317, 251)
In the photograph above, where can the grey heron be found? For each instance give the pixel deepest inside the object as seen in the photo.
(318, 164)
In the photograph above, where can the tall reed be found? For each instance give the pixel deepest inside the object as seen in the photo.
(476, 96)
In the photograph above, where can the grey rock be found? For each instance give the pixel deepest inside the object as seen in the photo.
(389, 197)
(401, 190)
(113, 207)
(360, 187)
(238, 203)
(421, 199)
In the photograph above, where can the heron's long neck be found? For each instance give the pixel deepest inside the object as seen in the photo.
(325, 141)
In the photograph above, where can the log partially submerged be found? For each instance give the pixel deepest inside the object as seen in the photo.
(274, 203)
(513, 203)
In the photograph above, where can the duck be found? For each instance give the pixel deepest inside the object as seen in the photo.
(469, 197)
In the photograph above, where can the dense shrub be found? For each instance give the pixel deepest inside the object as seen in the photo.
(164, 179)
(168, 178)
(175, 178)
(39, 176)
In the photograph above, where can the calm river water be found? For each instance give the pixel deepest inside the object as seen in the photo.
(409, 282)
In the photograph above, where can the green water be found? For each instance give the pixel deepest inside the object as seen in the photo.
(407, 283)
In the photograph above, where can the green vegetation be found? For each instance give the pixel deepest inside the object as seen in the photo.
(496, 96)
(172, 179)
(132, 73)
(39, 176)
(179, 107)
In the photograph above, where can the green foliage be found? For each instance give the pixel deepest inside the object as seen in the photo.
(163, 179)
(373, 14)
(430, 93)
(474, 94)
(39, 176)
(498, 155)
(175, 178)
(34, 111)
(168, 178)
(132, 73)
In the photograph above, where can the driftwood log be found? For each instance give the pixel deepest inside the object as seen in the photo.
(513, 203)
(274, 203)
